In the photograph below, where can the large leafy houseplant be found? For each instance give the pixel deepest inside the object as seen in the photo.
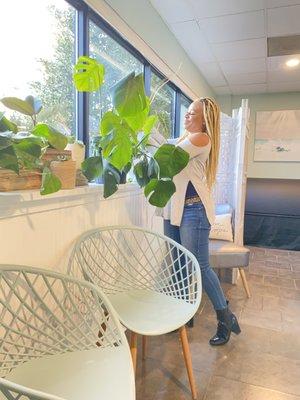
(124, 138)
(23, 150)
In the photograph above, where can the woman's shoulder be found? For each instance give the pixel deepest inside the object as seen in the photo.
(199, 139)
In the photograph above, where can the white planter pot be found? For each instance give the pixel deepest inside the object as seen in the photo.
(78, 153)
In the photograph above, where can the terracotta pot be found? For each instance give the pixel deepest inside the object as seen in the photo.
(66, 172)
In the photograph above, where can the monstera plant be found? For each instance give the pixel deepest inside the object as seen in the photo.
(124, 134)
(23, 150)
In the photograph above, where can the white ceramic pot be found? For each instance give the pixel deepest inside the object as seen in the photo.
(78, 153)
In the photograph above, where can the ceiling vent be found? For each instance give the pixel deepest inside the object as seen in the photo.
(283, 46)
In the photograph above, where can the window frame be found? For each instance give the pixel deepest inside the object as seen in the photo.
(86, 14)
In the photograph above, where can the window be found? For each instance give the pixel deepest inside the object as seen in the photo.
(118, 63)
(163, 105)
(184, 105)
(38, 58)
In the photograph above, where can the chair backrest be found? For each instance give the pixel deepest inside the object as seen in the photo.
(119, 259)
(45, 313)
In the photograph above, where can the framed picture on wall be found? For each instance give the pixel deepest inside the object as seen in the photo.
(277, 136)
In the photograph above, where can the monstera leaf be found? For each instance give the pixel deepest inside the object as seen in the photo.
(92, 167)
(128, 96)
(88, 74)
(171, 160)
(159, 191)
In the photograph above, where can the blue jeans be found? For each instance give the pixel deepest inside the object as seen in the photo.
(193, 234)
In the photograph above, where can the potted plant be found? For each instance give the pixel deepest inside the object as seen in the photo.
(124, 135)
(31, 153)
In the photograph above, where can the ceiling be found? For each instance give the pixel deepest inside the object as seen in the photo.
(227, 41)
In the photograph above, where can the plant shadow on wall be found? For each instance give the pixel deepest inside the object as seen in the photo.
(124, 134)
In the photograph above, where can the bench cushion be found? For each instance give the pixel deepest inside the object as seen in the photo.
(224, 254)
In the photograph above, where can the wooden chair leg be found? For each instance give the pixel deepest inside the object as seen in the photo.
(133, 349)
(245, 283)
(188, 360)
(144, 348)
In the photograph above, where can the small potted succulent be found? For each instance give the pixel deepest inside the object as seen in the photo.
(33, 158)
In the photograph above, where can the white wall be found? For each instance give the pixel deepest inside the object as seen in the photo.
(143, 27)
(265, 102)
(40, 231)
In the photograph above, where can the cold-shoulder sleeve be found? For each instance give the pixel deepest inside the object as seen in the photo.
(192, 149)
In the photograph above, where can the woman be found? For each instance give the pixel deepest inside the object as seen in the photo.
(188, 217)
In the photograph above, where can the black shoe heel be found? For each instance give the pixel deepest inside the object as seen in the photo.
(235, 327)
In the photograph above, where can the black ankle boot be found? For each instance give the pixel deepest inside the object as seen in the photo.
(227, 323)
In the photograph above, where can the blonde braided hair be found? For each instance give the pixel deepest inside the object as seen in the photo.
(211, 114)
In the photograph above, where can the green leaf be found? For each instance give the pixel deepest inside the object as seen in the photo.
(6, 124)
(28, 150)
(50, 182)
(55, 138)
(35, 103)
(109, 121)
(140, 171)
(118, 150)
(92, 167)
(171, 160)
(5, 140)
(153, 169)
(19, 105)
(8, 159)
(88, 74)
(159, 191)
(111, 177)
(149, 123)
(128, 95)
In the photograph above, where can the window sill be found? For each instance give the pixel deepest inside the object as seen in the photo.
(16, 203)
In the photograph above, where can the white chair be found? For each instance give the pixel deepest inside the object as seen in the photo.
(153, 283)
(60, 339)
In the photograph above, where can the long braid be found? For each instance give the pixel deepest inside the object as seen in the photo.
(211, 113)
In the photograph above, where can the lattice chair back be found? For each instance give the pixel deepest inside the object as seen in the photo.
(45, 313)
(120, 259)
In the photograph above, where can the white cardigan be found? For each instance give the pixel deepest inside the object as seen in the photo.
(194, 172)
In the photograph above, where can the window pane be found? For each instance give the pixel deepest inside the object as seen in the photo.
(118, 63)
(39, 54)
(163, 105)
(184, 105)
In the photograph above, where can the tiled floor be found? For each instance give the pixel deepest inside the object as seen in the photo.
(262, 363)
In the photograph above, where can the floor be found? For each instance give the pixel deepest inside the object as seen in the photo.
(262, 363)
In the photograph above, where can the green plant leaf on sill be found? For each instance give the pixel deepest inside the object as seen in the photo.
(9, 160)
(19, 105)
(109, 121)
(55, 138)
(140, 171)
(7, 125)
(92, 167)
(111, 177)
(5, 140)
(159, 191)
(88, 74)
(118, 150)
(171, 160)
(50, 182)
(128, 95)
(149, 124)
(35, 103)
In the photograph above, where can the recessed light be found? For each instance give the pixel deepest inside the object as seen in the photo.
(293, 62)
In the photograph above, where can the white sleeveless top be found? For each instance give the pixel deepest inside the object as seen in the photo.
(194, 172)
